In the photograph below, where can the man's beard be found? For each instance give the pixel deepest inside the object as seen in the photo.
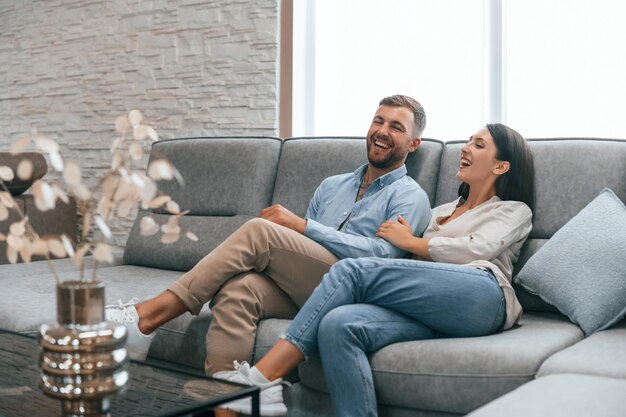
(390, 159)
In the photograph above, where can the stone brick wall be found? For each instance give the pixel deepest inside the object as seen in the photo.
(70, 67)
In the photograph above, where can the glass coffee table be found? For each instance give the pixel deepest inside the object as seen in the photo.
(155, 389)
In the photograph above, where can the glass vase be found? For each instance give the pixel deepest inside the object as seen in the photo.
(83, 360)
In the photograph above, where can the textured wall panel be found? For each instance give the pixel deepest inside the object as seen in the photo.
(194, 68)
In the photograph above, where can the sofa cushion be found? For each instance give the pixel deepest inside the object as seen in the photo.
(223, 176)
(603, 354)
(227, 181)
(28, 299)
(64, 215)
(268, 333)
(459, 375)
(561, 396)
(303, 401)
(588, 165)
(4, 228)
(447, 183)
(185, 253)
(423, 166)
(580, 269)
(569, 173)
(530, 302)
(305, 162)
(13, 160)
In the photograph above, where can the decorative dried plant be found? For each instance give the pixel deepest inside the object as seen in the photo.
(119, 191)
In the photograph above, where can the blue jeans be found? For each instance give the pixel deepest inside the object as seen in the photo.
(364, 304)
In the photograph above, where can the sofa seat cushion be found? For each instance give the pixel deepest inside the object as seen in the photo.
(29, 299)
(460, 375)
(603, 354)
(267, 335)
(566, 395)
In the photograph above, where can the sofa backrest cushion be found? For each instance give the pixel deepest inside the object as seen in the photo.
(423, 166)
(183, 254)
(306, 161)
(227, 181)
(223, 176)
(569, 173)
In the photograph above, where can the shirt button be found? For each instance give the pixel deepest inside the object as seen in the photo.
(345, 213)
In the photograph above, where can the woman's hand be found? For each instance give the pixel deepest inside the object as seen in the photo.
(400, 235)
(397, 233)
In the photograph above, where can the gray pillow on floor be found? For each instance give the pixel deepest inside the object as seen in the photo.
(581, 270)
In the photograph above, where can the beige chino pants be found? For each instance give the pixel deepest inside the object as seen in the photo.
(262, 270)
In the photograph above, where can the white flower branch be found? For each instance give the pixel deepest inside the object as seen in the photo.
(121, 189)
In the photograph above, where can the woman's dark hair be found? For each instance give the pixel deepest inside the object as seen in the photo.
(518, 183)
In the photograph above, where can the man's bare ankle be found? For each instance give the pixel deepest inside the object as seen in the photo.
(144, 324)
(145, 329)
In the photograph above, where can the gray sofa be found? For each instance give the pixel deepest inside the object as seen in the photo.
(542, 367)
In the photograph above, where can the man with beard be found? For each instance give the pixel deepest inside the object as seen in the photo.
(270, 266)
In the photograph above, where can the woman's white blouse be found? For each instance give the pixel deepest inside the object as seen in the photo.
(489, 236)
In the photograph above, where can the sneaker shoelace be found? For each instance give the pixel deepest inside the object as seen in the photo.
(242, 367)
(241, 370)
(119, 312)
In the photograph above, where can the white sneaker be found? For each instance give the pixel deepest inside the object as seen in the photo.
(137, 343)
(271, 396)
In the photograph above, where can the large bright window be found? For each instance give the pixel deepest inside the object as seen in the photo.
(547, 68)
(566, 67)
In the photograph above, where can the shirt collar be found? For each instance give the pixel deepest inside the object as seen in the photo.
(454, 204)
(383, 180)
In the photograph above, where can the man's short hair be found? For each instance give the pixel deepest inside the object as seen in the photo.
(419, 115)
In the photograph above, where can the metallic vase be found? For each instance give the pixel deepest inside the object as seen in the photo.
(83, 360)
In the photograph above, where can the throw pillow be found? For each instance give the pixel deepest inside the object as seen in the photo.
(581, 270)
(39, 167)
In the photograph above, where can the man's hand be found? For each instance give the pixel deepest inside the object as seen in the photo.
(397, 233)
(280, 215)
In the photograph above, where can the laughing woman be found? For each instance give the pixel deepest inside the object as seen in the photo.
(457, 285)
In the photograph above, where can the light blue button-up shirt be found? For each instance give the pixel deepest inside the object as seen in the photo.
(393, 194)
